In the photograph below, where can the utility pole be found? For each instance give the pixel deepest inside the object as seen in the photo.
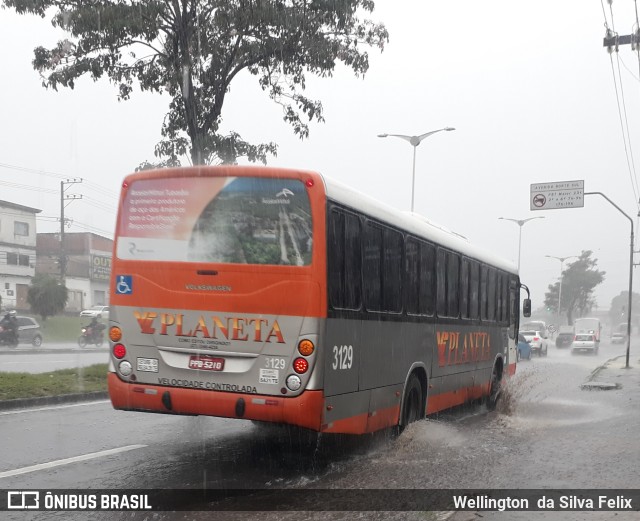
(65, 197)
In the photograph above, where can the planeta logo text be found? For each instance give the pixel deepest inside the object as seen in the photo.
(214, 327)
(455, 348)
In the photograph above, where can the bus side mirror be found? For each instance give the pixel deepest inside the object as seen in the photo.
(526, 307)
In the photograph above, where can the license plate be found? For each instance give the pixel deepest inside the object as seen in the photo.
(148, 365)
(206, 363)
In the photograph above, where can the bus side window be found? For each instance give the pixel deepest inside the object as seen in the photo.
(420, 270)
(353, 262)
(382, 269)
(484, 308)
(345, 264)
(464, 288)
(412, 270)
(505, 299)
(453, 285)
(372, 269)
(474, 290)
(441, 282)
(491, 295)
(392, 275)
(336, 257)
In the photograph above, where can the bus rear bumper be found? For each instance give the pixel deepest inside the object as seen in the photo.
(305, 410)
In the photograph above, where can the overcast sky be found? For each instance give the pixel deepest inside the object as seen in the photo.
(527, 85)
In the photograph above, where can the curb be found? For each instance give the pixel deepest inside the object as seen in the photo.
(23, 403)
(595, 372)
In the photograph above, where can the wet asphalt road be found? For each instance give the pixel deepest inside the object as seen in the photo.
(51, 356)
(549, 433)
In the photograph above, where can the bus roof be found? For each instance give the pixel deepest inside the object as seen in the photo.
(414, 223)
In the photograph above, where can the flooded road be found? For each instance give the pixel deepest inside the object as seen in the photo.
(546, 433)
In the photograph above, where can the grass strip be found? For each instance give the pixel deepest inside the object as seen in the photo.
(62, 328)
(64, 381)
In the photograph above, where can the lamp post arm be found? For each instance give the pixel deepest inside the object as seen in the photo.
(427, 134)
(401, 136)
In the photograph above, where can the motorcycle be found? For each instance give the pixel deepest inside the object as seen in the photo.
(8, 337)
(92, 335)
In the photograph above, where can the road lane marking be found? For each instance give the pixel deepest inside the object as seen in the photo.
(67, 461)
(54, 407)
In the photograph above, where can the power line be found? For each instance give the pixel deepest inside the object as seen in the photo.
(91, 185)
(27, 187)
(626, 123)
(89, 228)
(611, 41)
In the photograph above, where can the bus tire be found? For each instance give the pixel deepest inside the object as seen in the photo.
(413, 404)
(496, 387)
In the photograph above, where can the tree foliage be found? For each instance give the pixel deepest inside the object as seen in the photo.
(579, 280)
(194, 49)
(46, 296)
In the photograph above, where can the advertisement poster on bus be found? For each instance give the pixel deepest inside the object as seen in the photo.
(243, 220)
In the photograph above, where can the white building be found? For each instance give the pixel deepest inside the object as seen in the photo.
(17, 253)
(88, 266)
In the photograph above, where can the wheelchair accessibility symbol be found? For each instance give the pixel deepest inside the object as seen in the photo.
(124, 286)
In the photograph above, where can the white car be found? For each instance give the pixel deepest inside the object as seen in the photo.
(96, 311)
(537, 340)
(584, 342)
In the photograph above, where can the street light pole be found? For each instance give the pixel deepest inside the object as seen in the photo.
(414, 141)
(520, 223)
(561, 259)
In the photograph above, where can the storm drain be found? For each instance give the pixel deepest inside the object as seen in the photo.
(599, 386)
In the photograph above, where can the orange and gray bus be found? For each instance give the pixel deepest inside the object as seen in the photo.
(283, 296)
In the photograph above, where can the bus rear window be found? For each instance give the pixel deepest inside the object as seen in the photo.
(242, 220)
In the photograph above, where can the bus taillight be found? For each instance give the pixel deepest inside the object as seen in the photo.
(119, 351)
(306, 347)
(115, 334)
(300, 365)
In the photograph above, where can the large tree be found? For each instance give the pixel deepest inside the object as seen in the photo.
(46, 296)
(579, 280)
(194, 49)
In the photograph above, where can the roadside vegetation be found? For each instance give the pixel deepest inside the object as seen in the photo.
(59, 328)
(54, 383)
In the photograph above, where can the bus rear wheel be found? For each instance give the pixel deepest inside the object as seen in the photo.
(413, 404)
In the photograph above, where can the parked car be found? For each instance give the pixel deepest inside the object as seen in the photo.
(96, 311)
(524, 348)
(584, 342)
(29, 331)
(538, 341)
